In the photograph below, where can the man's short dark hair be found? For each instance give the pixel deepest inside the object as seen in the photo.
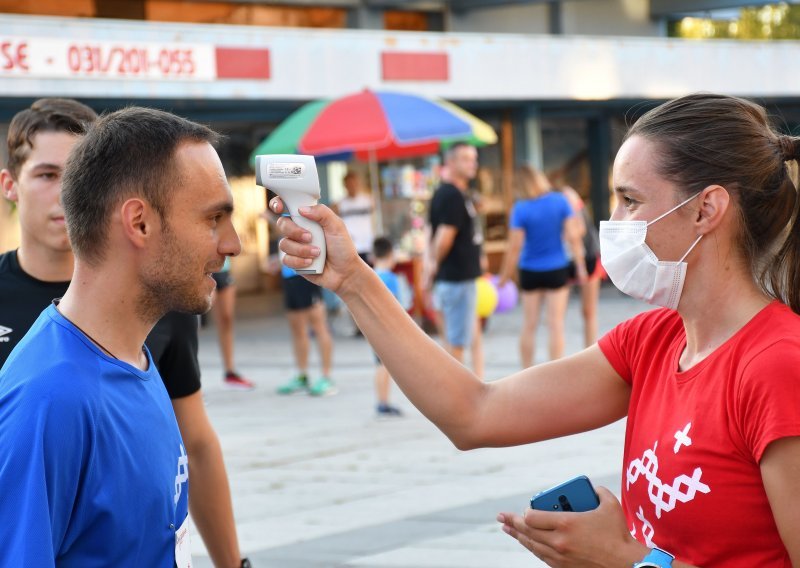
(126, 153)
(44, 115)
(382, 247)
(453, 150)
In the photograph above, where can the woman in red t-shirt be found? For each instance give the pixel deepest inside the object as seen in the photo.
(706, 227)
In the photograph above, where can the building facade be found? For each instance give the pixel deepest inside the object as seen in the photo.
(558, 80)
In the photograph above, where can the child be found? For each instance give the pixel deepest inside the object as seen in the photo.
(383, 262)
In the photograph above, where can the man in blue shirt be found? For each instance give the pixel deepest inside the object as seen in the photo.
(39, 141)
(93, 468)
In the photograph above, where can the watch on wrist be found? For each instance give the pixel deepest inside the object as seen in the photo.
(656, 558)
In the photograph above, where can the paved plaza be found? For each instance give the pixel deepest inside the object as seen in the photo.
(320, 482)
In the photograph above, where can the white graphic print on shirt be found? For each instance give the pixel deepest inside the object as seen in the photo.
(183, 474)
(682, 438)
(664, 495)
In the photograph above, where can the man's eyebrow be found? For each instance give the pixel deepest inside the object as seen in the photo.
(46, 166)
(221, 207)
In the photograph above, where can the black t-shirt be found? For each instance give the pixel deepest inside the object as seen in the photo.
(172, 342)
(451, 206)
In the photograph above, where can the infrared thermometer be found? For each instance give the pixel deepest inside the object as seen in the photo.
(294, 178)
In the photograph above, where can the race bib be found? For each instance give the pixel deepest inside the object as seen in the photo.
(183, 545)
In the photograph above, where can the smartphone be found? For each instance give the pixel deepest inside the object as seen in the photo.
(574, 495)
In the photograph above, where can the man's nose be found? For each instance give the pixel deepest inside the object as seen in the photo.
(231, 245)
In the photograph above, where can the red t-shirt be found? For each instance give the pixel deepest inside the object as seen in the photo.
(691, 483)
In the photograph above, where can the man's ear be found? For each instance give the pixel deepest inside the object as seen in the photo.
(713, 202)
(8, 186)
(138, 219)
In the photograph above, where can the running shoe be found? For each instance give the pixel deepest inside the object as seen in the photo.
(298, 383)
(235, 381)
(388, 411)
(323, 387)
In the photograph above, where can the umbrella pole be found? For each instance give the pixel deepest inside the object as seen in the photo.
(376, 192)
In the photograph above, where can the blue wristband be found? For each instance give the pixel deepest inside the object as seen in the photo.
(657, 558)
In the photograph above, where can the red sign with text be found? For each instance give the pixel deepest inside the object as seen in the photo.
(88, 59)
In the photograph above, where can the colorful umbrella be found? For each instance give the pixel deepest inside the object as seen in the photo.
(374, 126)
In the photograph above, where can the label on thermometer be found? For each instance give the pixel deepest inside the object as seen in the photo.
(285, 170)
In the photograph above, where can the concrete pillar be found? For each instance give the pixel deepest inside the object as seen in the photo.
(528, 147)
(555, 17)
(599, 144)
(365, 17)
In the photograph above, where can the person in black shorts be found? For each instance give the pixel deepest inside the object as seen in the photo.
(539, 226)
(224, 309)
(39, 271)
(305, 310)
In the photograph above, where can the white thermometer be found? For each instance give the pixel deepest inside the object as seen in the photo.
(294, 178)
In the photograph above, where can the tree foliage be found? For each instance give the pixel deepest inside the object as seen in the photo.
(773, 21)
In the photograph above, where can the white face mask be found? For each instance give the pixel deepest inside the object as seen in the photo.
(635, 269)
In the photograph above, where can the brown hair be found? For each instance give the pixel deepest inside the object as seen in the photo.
(44, 115)
(127, 153)
(708, 139)
(529, 182)
(382, 247)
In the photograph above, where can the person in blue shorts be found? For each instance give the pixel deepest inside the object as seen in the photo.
(455, 251)
(93, 469)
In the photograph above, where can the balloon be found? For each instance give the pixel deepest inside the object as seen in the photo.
(486, 300)
(507, 295)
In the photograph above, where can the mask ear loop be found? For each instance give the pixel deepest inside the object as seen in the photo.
(694, 244)
(678, 206)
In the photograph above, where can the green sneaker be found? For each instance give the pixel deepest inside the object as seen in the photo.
(323, 387)
(295, 384)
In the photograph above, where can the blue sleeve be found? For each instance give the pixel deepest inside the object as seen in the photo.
(391, 281)
(43, 446)
(287, 272)
(515, 219)
(394, 285)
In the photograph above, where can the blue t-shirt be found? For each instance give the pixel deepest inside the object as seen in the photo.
(93, 471)
(287, 272)
(542, 219)
(391, 281)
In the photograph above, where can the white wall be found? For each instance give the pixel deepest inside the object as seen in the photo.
(310, 64)
(610, 18)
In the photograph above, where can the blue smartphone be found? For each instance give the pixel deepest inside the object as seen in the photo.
(574, 495)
